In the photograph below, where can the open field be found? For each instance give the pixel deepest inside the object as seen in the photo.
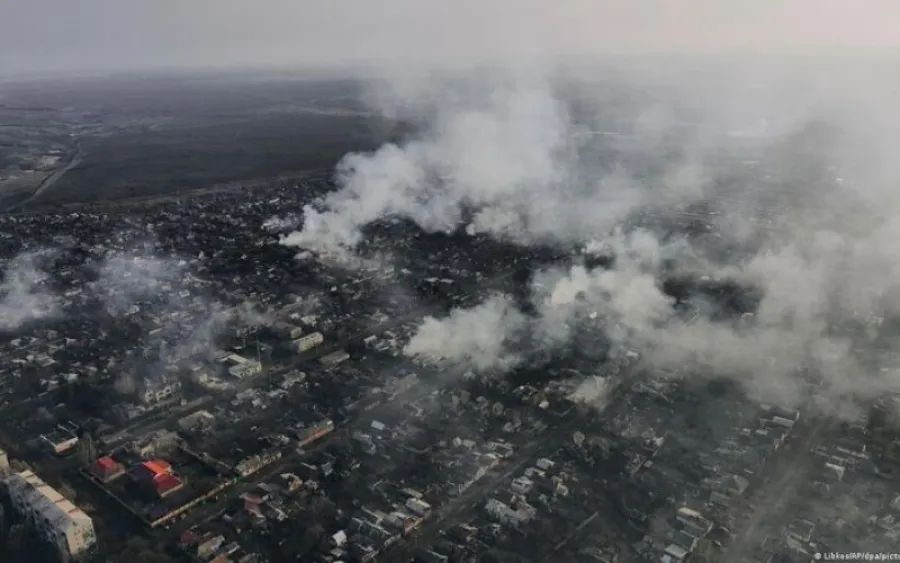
(127, 137)
(132, 165)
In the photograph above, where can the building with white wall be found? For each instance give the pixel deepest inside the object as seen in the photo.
(246, 369)
(159, 388)
(240, 367)
(52, 515)
(309, 341)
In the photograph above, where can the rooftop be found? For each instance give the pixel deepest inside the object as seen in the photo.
(166, 483)
(157, 467)
(106, 464)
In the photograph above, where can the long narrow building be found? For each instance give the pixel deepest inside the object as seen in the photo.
(58, 520)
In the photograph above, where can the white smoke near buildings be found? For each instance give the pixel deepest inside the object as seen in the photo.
(193, 322)
(505, 161)
(491, 335)
(23, 295)
(820, 290)
(819, 319)
(249, 314)
(824, 264)
(204, 332)
(482, 337)
(126, 278)
(125, 283)
(592, 391)
(627, 299)
(530, 152)
(123, 279)
(799, 162)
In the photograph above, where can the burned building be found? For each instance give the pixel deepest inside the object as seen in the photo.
(159, 388)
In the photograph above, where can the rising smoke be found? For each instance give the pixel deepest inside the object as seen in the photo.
(126, 283)
(799, 173)
(126, 278)
(24, 297)
(479, 337)
(510, 162)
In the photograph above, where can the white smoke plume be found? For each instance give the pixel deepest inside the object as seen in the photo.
(829, 292)
(626, 301)
(592, 391)
(202, 336)
(128, 280)
(23, 297)
(125, 278)
(479, 337)
(249, 314)
(797, 157)
(508, 155)
(818, 319)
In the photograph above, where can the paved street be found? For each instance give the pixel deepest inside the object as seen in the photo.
(785, 473)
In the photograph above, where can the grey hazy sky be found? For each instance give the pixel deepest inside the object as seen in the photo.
(78, 35)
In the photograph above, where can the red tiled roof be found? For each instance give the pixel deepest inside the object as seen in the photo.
(157, 467)
(106, 464)
(166, 483)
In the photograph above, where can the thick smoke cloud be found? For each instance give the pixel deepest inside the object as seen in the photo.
(503, 158)
(797, 165)
(626, 300)
(479, 337)
(505, 152)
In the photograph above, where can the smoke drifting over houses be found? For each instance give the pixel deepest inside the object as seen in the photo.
(480, 337)
(505, 163)
(801, 214)
(123, 283)
(23, 296)
(125, 278)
